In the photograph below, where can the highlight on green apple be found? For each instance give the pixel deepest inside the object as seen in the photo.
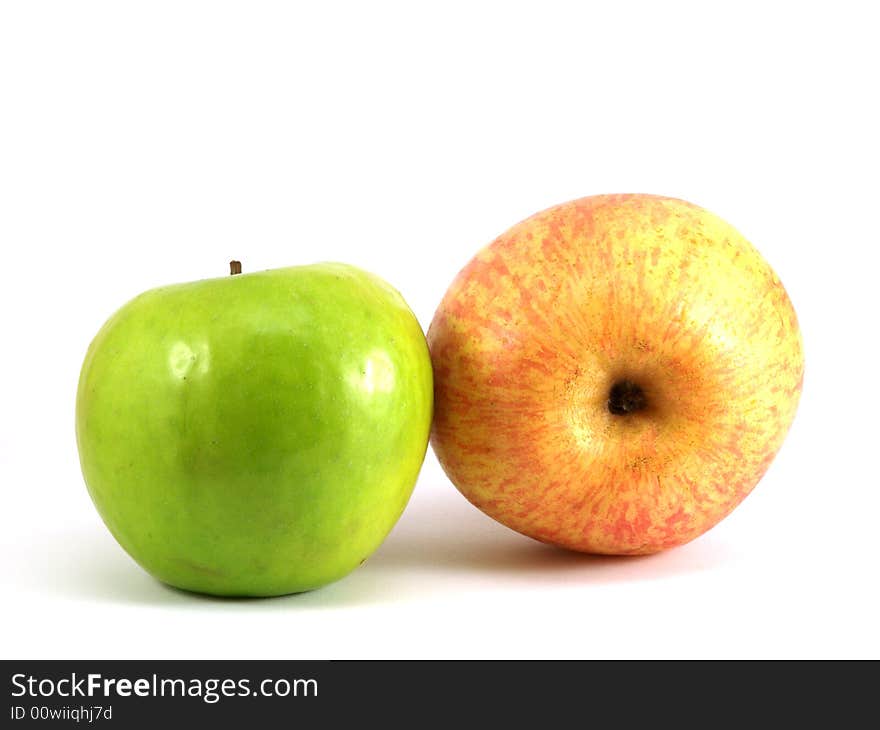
(256, 434)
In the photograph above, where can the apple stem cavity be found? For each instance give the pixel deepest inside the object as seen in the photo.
(234, 268)
(626, 397)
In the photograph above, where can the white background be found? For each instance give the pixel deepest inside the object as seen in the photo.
(148, 143)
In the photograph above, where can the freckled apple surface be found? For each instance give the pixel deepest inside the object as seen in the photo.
(614, 374)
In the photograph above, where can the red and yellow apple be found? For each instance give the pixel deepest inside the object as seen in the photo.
(615, 374)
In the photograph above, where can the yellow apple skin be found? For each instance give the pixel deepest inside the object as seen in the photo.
(535, 331)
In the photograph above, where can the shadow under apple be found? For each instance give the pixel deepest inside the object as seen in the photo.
(441, 531)
(90, 566)
(439, 534)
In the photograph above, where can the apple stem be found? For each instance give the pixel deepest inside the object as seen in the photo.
(234, 268)
(626, 397)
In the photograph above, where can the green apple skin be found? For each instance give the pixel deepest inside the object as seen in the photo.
(258, 434)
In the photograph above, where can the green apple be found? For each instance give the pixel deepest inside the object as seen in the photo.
(257, 434)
